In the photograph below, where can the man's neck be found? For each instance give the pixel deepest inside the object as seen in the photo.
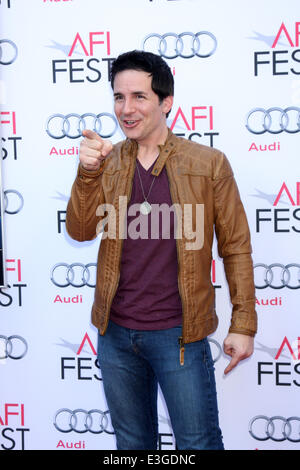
(148, 152)
(147, 159)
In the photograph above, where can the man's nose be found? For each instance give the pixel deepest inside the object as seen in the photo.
(128, 106)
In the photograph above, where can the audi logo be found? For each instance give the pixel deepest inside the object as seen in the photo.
(182, 47)
(81, 421)
(218, 347)
(75, 274)
(12, 204)
(269, 431)
(59, 126)
(287, 275)
(273, 120)
(8, 52)
(10, 347)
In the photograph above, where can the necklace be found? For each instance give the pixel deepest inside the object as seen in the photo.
(145, 207)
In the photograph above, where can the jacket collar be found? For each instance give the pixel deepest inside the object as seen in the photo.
(165, 150)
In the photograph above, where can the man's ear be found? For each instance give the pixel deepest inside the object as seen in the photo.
(167, 104)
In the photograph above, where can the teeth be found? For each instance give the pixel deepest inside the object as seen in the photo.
(130, 122)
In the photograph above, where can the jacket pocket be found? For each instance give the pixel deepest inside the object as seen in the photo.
(186, 171)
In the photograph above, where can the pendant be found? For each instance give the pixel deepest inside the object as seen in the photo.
(145, 208)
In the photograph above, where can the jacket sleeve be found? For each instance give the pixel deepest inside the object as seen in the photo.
(234, 246)
(86, 196)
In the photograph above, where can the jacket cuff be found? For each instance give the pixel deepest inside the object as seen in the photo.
(82, 172)
(242, 331)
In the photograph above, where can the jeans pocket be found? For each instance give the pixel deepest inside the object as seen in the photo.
(100, 345)
(207, 359)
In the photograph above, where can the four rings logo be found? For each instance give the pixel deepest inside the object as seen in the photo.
(8, 52)
(218, 350)
(10, 347)
(64, 275)
(82, 421)
(13, 201)
(285, 432)
(273, 120)
(185, 45)
(59, 126)
(283, 273)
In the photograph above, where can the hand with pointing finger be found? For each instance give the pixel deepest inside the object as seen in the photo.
(239, 347)
(93, 150)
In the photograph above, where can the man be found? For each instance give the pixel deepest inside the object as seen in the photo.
(154, 302)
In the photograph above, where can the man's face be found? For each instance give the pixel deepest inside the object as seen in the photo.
(140, 114)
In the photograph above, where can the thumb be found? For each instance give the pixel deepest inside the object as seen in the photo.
(89, 134)
(234, 361)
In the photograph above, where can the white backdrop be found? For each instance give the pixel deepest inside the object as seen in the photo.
(54, 59)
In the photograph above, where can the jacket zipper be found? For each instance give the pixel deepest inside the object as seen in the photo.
(181, 350)
(122, 241)
(181, 338)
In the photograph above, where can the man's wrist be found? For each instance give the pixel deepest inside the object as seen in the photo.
(82, 171)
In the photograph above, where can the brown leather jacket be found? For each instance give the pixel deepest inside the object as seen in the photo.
(197, 174)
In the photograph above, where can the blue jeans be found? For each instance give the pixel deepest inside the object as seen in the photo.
(132, 364)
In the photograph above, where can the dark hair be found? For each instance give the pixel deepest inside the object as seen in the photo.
(162, 78)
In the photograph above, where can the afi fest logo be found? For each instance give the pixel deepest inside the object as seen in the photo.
(195, 123)
(12, 293)
(12, 426)
(80, 365)
(9, 136)
(280, 219)
(284, 369)
(284, 56)
(88, 58)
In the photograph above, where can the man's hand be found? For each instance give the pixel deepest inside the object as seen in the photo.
(93, 150)
(239, 347)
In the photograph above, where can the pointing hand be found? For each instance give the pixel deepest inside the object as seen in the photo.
(93, 150)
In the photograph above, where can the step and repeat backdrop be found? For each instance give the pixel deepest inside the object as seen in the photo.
(237, 88)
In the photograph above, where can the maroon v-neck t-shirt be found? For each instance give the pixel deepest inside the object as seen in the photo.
(147, 297)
